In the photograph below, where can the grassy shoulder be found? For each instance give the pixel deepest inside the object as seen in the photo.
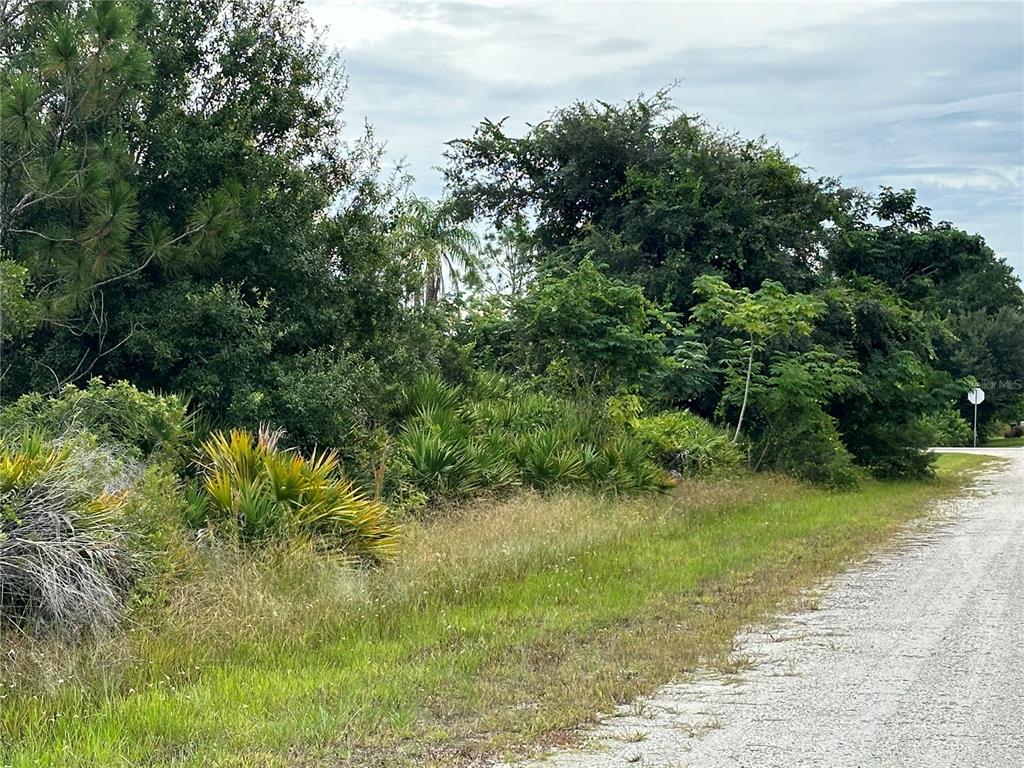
(502, 627)
(1005, 442)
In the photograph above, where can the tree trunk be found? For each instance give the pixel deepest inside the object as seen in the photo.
(433, 288)
(746, 391)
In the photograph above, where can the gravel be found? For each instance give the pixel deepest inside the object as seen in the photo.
(915, 658)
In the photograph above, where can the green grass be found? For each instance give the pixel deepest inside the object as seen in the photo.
(1005, 442)
(498, 628)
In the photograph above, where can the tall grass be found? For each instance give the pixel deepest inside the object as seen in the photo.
(71, 549)
(494, 626)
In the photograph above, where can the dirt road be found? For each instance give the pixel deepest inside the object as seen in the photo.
(915, 658)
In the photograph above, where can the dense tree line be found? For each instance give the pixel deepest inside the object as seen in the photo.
(178, 209)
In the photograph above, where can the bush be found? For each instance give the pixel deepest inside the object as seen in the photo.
(73, 543)
(947, 427)
(263, 493)
(152, 425)
(803, 442)
(332, 399)
(686, 443)
(582, 332)
(494, 435)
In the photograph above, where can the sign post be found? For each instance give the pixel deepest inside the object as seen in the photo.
(976, 396)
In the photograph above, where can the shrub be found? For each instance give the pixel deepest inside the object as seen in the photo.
(582, 331)
(440, 464)
(550, 457)
(494, 434)
(151, 424)
(430, 393)
(804, 442)
(72, 544)
(263, 493)
(947, 427)
(682, 441)
(333, 399)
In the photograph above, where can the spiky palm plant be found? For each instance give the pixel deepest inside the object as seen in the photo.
(439, 463)
(430, 393)
(269, 493)
(547, 459)
(629, 467)
(683, 441)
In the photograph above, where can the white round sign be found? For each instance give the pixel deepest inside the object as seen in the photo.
(976, 396)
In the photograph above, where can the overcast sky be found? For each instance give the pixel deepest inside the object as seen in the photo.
(924, 95)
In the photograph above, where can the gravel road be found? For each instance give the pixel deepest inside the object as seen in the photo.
(915, 658)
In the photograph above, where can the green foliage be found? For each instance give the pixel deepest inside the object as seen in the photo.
(947, 427)
(18, 314)
(765, 314)
(706, 222)
(758, 318)
(581, 332)
(441, 247)
(923, 262)
(496, 434)
(881, 418)
(797, 435)
(156, 426)
(593, 333)
(74, 89)
(22, 463)
(988, 346)
(803, 441)
(179, 210)
(430, 393)
(335, 400)
(121, 199)
(682, 441)
(260, 493)
(672, 197)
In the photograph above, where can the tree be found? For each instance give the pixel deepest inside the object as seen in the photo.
(970, 301)
(659, 197)
(74, 85)
(989, 347)
(759, 317)
(799, 436)
(883, 418)
(508, 259)
(440, 245)
(934, 264)
(585, 332)
(147, 134)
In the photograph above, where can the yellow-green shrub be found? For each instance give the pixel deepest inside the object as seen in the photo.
(261, 492)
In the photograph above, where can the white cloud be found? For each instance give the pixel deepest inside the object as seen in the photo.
(923, 94)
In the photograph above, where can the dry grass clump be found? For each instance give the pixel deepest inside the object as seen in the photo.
(68, 555)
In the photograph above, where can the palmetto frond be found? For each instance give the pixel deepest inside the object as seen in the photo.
(270, 493)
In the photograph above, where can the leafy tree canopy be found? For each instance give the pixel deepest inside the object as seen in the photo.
(674, 198)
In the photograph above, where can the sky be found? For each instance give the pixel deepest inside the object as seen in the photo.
(910, 94)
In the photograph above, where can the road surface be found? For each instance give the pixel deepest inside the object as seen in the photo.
(913, 659)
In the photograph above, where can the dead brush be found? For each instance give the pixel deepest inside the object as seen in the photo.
(67, 563)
